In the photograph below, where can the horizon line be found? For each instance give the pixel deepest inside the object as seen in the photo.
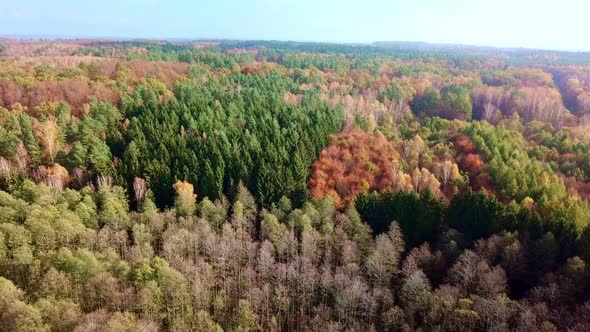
(57, 37)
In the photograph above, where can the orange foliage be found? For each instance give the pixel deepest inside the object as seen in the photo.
(464, 144)
(361, 77)
(249, 70)
(165, 71)
(354, 162)
(185, 193)
(472, 163)
(57, 176)
(359, 161)
(380, 83)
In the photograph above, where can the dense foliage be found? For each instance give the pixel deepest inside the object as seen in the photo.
(218, 132)
(266, 186)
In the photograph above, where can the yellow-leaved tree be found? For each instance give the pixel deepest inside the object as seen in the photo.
(48, 136)
(185, 198)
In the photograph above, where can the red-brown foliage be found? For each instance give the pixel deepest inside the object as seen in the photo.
(355, 161)
(107, 68)
(361, 78)
(574, 83)
(167, 72)
(582, 188)
(489, 100)
(254, 69)
(18, 47)
(10, 92)
(464, 144)
(569, 157)
(484, 182)
(472, 163)
(74, 92)
(380, 83)
(78, 92)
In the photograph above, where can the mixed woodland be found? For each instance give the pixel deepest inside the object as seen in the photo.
(282, 186)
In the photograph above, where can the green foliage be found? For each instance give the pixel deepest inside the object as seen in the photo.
(113, 206)
(8, 143)
(427, 104)
(245, 249)
(215, 141)
(516, 174)
(29, 141)
(457, 102)
(476, 215)
(419, 216)
(452, 102)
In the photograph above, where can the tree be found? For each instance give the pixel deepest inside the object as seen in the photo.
(8, 143)
(60, 315)
(113, 205)
(205, 323)
(476, 215)
(353, 163)
(419, 216)
(10, 93)
(28, 138)
(474, 276)
(447, 171)
(56, 284)
(428, 103)
(16, 315)
(48, 136)
(176, 300)
(456, 102)
(246, 319)
(415, 297)
(9, 293)
(185, 198)
(139, 190)
(383, 263)
(472, 163)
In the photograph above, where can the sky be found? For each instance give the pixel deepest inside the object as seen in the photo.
(563, 25)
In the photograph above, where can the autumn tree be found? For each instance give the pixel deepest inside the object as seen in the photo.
(185, 198)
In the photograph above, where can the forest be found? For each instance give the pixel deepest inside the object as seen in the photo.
(284, 186)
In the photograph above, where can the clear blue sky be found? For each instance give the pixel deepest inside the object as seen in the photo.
(563, 24)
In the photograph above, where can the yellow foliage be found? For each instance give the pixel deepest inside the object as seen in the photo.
(528, 203)
(422, 179)
(418, 143)
(455, 173)
(18, 109)
(44, 108)
(185, 196)
(49, 138)
(57, 176)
